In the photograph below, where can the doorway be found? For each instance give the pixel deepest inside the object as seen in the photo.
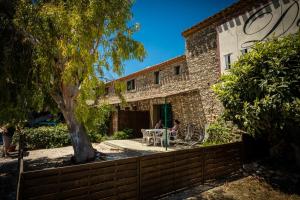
(159, 114)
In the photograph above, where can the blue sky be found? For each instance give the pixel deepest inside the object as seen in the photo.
(163, 21)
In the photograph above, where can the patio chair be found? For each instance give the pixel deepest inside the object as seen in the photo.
(198, 138)
(187, 137)
(206, 135)
(148, 137)
(190, 129)
(173, 135)
(192, 137)
(160, 138)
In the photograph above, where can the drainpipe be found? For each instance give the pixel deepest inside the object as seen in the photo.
(166, 128)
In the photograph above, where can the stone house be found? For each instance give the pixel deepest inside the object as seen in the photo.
(211, 46)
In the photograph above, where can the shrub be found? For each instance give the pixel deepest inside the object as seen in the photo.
(221, 132)
(261, 92)
(129, 132)
(45, 137)
(121, 135)
(95, 137)
(50, 137)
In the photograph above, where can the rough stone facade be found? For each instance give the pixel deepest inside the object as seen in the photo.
(189, 93)
(186, 107)
(203, 62)
(145, 87)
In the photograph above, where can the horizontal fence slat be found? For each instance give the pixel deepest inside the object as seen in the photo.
(108, 193)
(53, 196)
(143, 177)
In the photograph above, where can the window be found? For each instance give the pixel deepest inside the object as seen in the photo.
(106, 91)
(177, 70)
(131, 85)
(227, 61)
(156, 77)
(244, 51)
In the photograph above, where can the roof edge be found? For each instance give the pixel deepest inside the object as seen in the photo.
(232, 11)
(154, 67)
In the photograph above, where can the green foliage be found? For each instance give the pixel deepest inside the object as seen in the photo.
(61, 52)
(121, 135)
(51, 137)
(261, 92)
(75, 40)
(96, 137)
(45, 137)
(19, 90)
(221, 132)
(95, 119)
(128, 131)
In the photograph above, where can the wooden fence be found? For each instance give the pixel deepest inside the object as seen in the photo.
(145, 177)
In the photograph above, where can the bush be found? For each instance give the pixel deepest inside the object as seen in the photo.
(129, 132)
(96, 137)
(221, 132)
(121, 135)
(45, 137)
(261, 92)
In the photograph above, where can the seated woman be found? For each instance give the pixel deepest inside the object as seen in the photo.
(158, 125)
(174, 129)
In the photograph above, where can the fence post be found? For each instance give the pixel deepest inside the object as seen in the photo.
(20, 187)
(20, 168)
(139, 178)
(203, 165)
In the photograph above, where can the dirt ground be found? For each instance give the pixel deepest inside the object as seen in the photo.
(262, 180)
(246, 188)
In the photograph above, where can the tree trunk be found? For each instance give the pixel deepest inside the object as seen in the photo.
(83, 150)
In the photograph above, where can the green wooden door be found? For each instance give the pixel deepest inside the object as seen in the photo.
(169, 115)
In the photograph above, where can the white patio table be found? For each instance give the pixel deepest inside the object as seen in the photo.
(159, 135)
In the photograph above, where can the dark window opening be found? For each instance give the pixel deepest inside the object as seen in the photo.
(131, 85)
(177, 70)
(156, 77)
(228, 61)
(106, 91)
(244, 51)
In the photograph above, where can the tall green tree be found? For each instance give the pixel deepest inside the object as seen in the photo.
(261, 93)
(17, 98)
(73, 41)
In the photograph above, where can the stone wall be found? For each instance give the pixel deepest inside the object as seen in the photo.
(145, 87)
(186, 107)
(203, 63)
(190, 93)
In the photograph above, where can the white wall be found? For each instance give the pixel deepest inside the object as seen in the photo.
(277, 18)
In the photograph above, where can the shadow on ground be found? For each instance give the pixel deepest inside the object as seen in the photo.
(8, 178)
(260, 180)
(281, 176)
